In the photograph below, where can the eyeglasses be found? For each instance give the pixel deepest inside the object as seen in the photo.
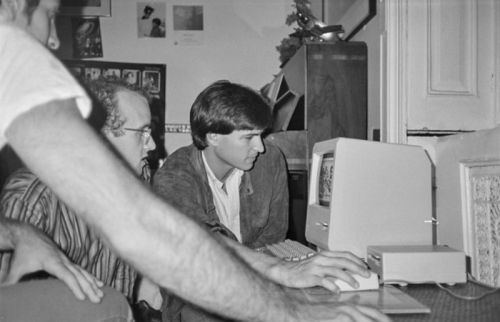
(145, 133)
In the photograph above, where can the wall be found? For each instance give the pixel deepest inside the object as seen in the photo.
(239, 41)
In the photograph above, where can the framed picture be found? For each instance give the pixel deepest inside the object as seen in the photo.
(151, 81)
(87, 42)
(151, 19)
(132, 76)
(85, 8)
(111, 73)
(188, 17)
(352, 15)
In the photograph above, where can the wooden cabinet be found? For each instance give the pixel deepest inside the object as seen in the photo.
(320, 93)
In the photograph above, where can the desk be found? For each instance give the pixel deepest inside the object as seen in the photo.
(446, 308)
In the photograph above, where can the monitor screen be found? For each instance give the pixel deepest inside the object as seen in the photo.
(325, 180)
(364, 193)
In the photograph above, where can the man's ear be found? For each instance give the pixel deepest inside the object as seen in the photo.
(213, 138)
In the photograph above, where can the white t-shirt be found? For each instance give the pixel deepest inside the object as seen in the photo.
(31, 76)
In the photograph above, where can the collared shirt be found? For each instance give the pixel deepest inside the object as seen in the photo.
(226, 197)
(183, 182)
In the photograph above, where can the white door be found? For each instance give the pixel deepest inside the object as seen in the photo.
(451, 63)
(445, 52)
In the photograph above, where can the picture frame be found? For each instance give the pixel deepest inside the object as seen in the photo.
(100, 8)
(353, 15)
(86, 37)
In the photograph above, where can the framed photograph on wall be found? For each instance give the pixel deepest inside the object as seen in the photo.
(85, 8)
(151, 80)
(151, 19)
(132, 76)
(87, 41)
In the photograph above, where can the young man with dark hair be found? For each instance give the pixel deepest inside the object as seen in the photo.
(228, 180)
(235, 183)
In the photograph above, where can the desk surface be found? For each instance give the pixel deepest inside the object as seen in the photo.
(445, 307)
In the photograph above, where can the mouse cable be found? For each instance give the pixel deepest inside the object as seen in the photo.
(492, 290)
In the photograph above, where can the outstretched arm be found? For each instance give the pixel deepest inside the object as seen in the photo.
(32, 251)
(322, 269)
(172, 250)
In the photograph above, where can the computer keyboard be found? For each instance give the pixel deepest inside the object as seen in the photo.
(289, 250)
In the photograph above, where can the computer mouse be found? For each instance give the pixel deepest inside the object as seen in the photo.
(365, 283)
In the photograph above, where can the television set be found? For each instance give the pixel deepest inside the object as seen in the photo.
(364, 193)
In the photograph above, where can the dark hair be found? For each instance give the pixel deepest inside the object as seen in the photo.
(157, 21)
(224, 107)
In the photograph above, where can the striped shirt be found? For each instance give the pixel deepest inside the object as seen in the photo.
(24, 197)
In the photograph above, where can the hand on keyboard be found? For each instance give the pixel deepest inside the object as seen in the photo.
(290, 250)
(319, 269)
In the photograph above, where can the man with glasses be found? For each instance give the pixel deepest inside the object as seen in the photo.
(123, 120)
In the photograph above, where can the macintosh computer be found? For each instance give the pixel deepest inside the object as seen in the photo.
(375, 200)
(366, 193)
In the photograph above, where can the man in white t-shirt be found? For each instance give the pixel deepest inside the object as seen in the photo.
(20, 90)
(41, 108)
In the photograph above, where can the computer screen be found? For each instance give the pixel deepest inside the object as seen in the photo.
(364, 193)
(325, 179)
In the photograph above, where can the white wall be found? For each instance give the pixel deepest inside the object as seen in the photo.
(239, 41)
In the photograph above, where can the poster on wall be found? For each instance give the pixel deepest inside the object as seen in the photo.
(150, 77)
(87, 41)
(151, 18)
(188, 24)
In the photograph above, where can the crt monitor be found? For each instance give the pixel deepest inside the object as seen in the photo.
(365, 193)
